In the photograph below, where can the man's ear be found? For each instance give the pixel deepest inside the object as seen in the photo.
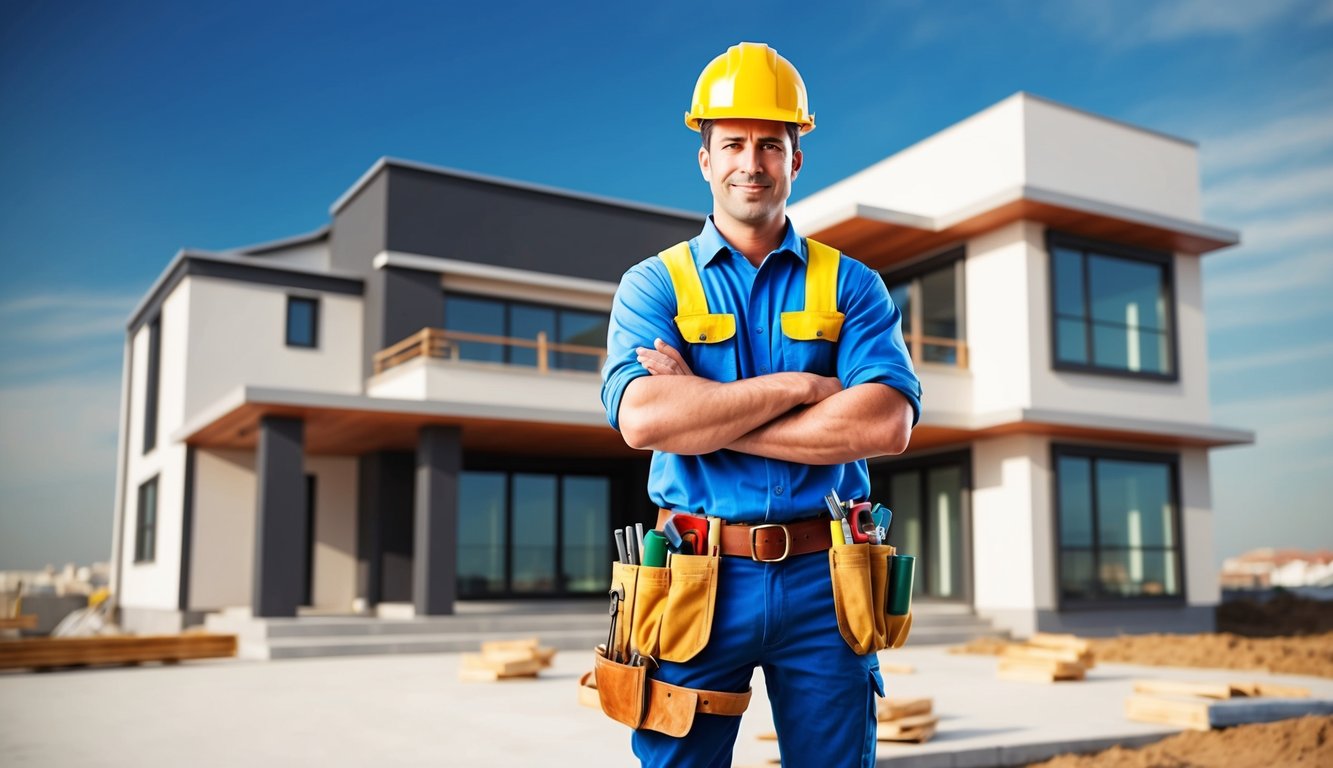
(705, 165)
(796, 158)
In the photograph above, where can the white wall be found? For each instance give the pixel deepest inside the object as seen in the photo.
(999, 307)
(1009, 534)
(224, 529)
(495, 385)
(336, 478)
(1089, 156)
(156, 584)
(238, 336)
(1203, 584)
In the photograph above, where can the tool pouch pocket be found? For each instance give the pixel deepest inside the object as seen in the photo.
(860, 578)
(691, 600)
(622, 689)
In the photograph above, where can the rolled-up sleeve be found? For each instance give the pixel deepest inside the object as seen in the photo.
(643, 310)
(870, 346)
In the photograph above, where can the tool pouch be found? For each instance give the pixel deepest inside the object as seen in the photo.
(860, 578)
(669, 611)
(628, 695)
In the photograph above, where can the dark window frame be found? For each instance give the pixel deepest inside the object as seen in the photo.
(314, 302)
(1103, 601)
(152, 384)
(145, 526)
(559, 469)
(955, 257)
(507, 351)
(1164, 259)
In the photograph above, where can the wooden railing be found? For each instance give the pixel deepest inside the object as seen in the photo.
(435, 342)
(916, 344)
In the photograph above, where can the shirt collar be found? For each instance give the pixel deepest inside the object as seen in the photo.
(711, 243)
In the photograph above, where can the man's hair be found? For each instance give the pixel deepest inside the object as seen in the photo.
(793, 133)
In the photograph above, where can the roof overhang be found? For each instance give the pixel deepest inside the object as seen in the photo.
(339, 424)
(939, 429)
(881, 237)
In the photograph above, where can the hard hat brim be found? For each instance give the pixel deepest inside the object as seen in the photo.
(807, 122)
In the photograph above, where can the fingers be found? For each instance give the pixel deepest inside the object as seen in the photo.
(659, 364)
(671, 352)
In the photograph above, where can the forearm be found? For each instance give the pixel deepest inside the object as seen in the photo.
(691, 415)
(866, 420)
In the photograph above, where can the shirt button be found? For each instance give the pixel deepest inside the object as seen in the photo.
(760, 329)
(778, 490)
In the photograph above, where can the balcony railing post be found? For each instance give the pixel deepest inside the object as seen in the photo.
(542, 364)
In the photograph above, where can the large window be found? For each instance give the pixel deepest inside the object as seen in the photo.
(533, 533)
(930, 297)
(1118, 525)
(151, 384)
(145, 528)
(1112, 308)
(504, 319)
(928, 497)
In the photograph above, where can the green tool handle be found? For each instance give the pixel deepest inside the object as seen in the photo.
(902, 571)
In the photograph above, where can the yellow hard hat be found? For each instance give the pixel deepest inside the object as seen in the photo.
(752, 81)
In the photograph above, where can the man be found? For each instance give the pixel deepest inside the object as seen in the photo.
(753, 417)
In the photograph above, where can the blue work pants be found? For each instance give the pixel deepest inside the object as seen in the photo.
(779, 616)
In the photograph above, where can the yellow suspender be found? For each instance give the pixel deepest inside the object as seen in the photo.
(819, 320)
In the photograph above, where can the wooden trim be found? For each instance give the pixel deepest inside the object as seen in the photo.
(442, 344)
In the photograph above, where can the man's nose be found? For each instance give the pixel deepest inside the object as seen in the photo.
(750, 160)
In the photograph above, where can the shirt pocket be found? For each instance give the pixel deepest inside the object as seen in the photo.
(711, 342)
(810, 341)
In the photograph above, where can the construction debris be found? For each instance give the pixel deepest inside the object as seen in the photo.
(1046, 658)
(505, 660)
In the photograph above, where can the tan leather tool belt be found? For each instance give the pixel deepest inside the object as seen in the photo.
(769, 542)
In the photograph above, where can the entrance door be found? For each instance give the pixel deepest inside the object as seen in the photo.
(929, 498)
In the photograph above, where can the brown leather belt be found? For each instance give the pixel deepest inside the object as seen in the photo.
(769, 542)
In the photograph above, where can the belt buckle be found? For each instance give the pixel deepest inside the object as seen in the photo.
(786, 537)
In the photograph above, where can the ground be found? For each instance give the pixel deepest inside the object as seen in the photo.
(1288, 634)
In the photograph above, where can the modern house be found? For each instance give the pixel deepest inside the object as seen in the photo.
(401, 409)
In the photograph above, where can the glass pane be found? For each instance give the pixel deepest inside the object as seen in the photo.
(1114, 573)
(475, 315)
(481, 520)
(525, 322)
(1071, 341)
(901, 293)
(586, 526)
(586, 329)
(534, 534)
(1113, 347)
(301, 322)
(905, 531)
(1153, 572)
(1076, 580)
(1074, 479)
(944, 488)
(1068, 279)
(1134, 504)
(939, 311)
(1153, 353)
(939, 353)
(1127, 293)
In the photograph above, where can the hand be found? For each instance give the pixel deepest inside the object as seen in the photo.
(663, 360)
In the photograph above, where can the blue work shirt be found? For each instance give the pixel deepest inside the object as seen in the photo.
(740, 487)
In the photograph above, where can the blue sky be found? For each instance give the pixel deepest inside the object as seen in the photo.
(130, 130)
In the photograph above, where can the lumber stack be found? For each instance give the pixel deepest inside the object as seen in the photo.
(49, 652)
(1189, 704)
(505, 660)
(907, 720)
(1046, 658)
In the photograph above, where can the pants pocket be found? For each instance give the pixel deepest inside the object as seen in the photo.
(690, 602)
(853, 596)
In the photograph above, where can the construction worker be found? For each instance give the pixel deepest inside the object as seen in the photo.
(755, 406)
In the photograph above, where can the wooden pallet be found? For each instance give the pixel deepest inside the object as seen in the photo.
(1040, 670)
(917, 729)
(1219, 690)
(50, 652)
(894, 709)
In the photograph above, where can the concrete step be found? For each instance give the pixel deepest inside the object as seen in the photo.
(317, 647)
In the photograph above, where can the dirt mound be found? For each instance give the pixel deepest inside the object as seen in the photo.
(1306, 741)
(1283, 614)
(1308, 655)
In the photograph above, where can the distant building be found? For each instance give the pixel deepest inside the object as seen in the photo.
(402, 407)
(1264, 568)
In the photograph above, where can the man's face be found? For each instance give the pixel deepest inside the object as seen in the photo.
(750, 166)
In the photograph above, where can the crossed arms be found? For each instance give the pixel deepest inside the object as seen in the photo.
(792, 416)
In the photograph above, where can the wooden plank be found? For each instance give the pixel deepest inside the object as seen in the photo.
(1279, 691)
(1040, 653)
(1183, 713)
(896, 669)
(503, 667)
(128, 649)
(895, 709)
(1051, 640)
(25, 621)
(490, 675)
(1038, 671)
(1188, 688)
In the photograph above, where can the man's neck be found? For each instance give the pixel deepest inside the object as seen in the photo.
(754, 242)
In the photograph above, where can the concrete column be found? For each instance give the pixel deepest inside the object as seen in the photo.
(435, 551)
(280, 520)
